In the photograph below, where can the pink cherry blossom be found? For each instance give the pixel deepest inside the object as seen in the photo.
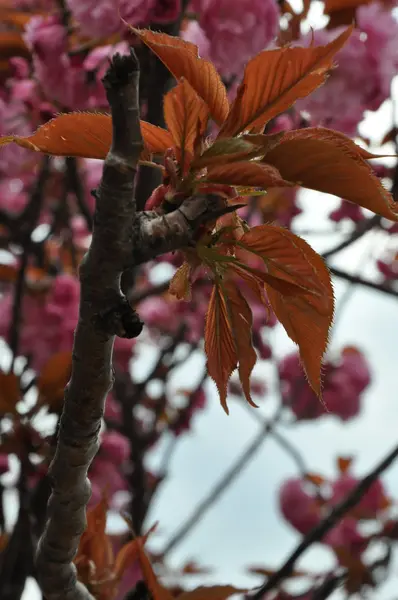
(4, 463)
(366, 65)
(70, 81)
(106, 476)
(298, 507)
(193, 32)
(371, 503)
(102, 18)
(113, 409)
(115, 447)
(237, 30)
(13, 121)
(388, 267)
(345, 535)
(347, 210)
(344, 382)
(49, 321)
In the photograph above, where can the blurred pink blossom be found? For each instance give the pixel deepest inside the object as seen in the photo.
(366, 65)
(72, 81)
(193, 32)
(114, 447)
(372, 502)
(236, 30)
(345, 535)
(299, 507)
(48, 322)
(344, 382)
(101, 18)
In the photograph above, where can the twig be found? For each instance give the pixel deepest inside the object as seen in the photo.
(282, 442)
(104, 312)
(361, 229)
(318, 532)
(229, 477)
(378, 287)
(158, 83)
(27, 223)
(75, 185)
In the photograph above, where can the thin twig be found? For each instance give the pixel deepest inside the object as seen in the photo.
(362, 228)
(377, 287)
(27, 223)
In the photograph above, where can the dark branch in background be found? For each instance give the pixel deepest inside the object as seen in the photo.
(159, 82)
(75, 185)
(355, 279)
(104, 312)
(16, 560)
(362, 228)
(130, 396)
(229, 477)
(283, 442)
(28, 221)
(318, 532)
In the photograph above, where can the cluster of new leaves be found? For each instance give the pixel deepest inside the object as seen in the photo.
(266, 262)
(101, 571)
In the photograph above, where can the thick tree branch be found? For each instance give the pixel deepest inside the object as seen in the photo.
(159, 234)
(122, 238)
(104, 312)
(317, 533)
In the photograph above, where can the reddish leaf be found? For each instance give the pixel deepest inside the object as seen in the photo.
(16, 18)
(344, 463)
(241, 321)
(129, 553)
(85, 134)
(8, 273)
(53, 378)
(9, 393)
(264, 141)
(275, 79)
(192, 568)
(214, 592)
(247, 174)
(315, 478)
(182, 60)
(225, 151)
(94, 544)
(219, 344)
(180, 285)
(306, 317)
(156, 139)
(332, 6)
(325, 160)
(186, 117)
(158, 592)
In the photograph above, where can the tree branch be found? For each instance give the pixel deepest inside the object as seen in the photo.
(104, 312)
(122, 238)
(318, 532)
(356, 280)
